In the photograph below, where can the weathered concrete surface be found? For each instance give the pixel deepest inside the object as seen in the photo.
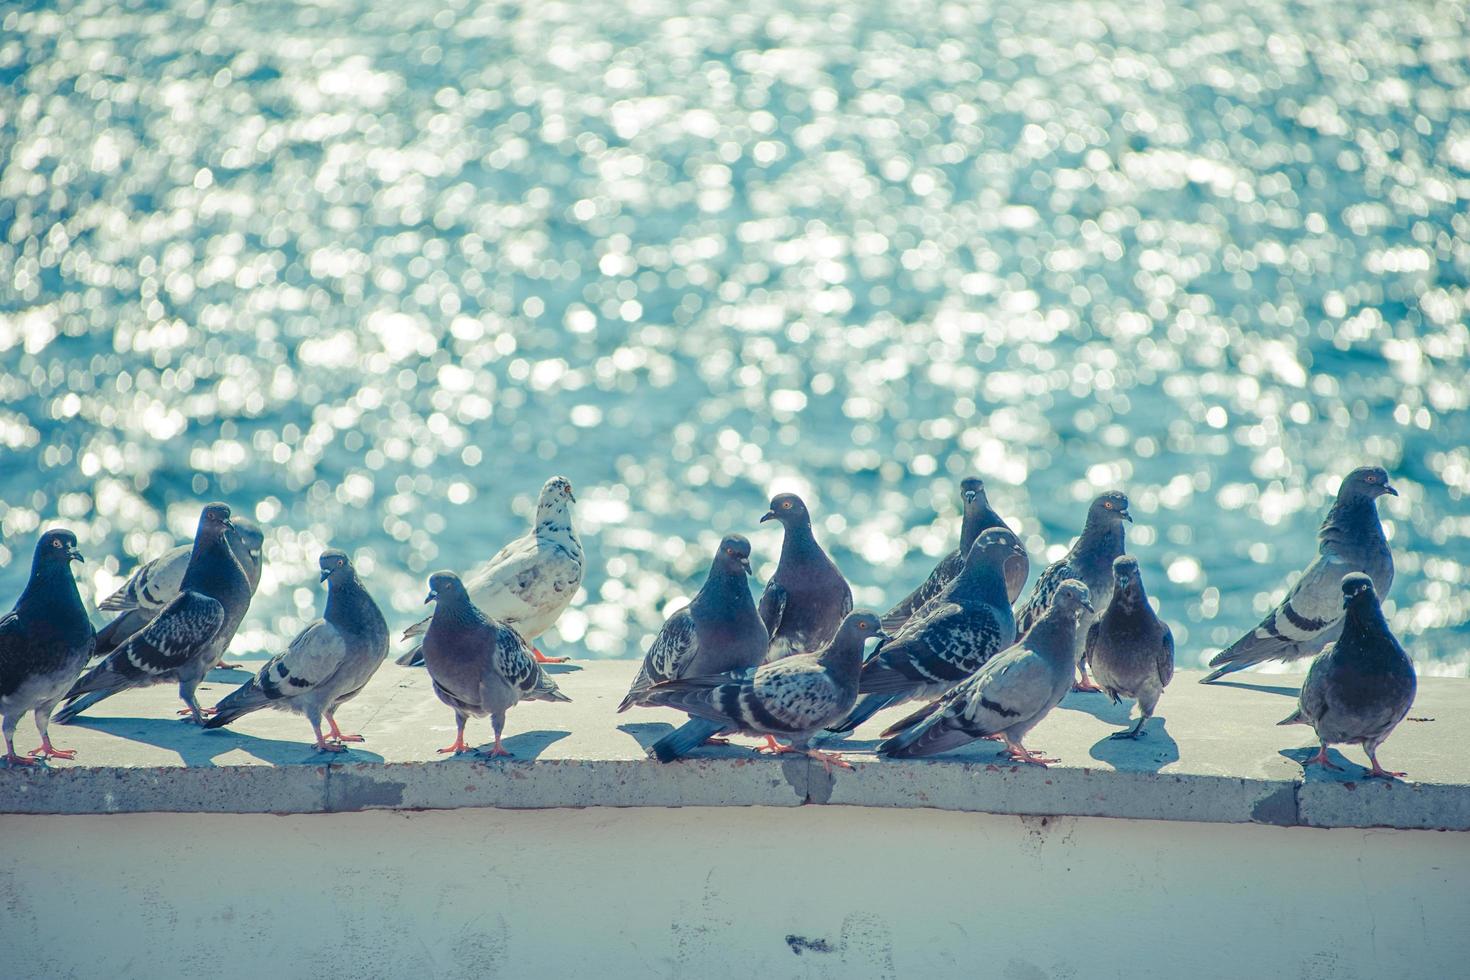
(845, 893)
(1216, 756)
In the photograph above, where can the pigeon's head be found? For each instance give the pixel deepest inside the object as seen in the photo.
(734, 553)
(1072, 597)
(334, 562)
(994, 546)
(214, 521)
(789, 509)
(862, 625)
(1125, 571)
(444, 585)
(249, 535)
(1356, 588)
(1366, 481)
(972, 491)
(1110, 508)
(557, 491)
(58, 545)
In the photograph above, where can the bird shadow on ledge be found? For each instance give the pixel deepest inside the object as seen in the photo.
(523, 747)
(1352, 772)
(561, 668)
(1100, 706)
(199, 749)
(1149, 752)
(645, 733)
(1290, 692)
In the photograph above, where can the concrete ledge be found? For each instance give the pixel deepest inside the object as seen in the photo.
(1216, 756)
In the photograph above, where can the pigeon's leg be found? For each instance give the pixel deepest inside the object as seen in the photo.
(772, 746)
(190, 697)
(1083, 682)
(10, 757)
(542, 658)
(829, 759)
(1019, 753)
(47, 750)
(1135, 732)
(337, 733)
(1378, 770)
(498, 720)
(322, 745)
(1321, 759)
(458, 745)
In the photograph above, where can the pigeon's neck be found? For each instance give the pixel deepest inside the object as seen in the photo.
(981, 581)
(457, 611)
(979, 517)
(1365, 634)
(1349, 520)
(1129, 597)
(843, 658)
(349, 607)
(1055, 636)
(554, 520)
(724, 590)
(213, 568)
(51, 588)
(1101, 542)
(799, 544)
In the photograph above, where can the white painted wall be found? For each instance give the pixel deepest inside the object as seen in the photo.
(610, 893)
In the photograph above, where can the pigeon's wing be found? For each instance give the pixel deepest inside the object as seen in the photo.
(313, 657)
(1015, 691)
(1312, 701)
(174, 637)
(13, 666)
(672, 650)
(949, 646)
(1090, 643)
(797, 693)
(772, 607)
(496, 585)
(1042, 592)
(152, 584)
(1165, 661)
(514, 662)
(1306, 620)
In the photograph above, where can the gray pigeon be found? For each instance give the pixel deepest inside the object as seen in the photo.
(1129, 649)
(793, 698)
(530, 582)
(978, 516)
(154, 584)
(1007, 696)
(478, 666)
(1350, 540)
(969, 622)
(807, 598)
(326, 665)
(718, 631)
(44, 643)
(1090, 562)
(1362, 685)
(188, 635)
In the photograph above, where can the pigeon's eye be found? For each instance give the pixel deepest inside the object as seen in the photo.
(56, 542)
(862, 626)
(1372, 478)
(786, 505)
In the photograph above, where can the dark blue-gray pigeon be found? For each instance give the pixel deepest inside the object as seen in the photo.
(1129, 650)
(154, 583)
(327, 664)
(1351, 539)
(187, 637)
(792, 698)
(478, 666)
(1090, 561)
(969, 622)
(978, 516)
(1006, 697)
(44, 644)
(1362, 685)
(807, 598)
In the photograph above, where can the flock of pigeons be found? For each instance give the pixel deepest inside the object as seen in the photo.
(795, 665)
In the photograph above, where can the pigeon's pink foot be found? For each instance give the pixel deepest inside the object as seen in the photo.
(458, 746)
(336, 733)
(498, 751)
(324, 746)
(1033, 757)
(20, 760)
(1085, 684)
(1379, 771)
(49, 751)
(542, 658)
(829, 759)
(206, 712)
(992, 738)
(1321, 759)
(774, 747)
(224, 666)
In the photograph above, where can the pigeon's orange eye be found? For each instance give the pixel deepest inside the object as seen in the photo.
(786, 505)
(1108, 504)
(862, 626)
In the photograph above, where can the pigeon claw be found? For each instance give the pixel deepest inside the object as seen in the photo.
(11, 759)
(542, 658)
(325, 746)
(1320, 759)
(1084, 683)
(772, 746)
(224, 666)
(829, 759)
(336, 734)
(497, 751)
(204, 712)
(49, 751)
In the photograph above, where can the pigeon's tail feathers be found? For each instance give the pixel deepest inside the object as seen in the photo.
(1258, 646)
(684, 739)
(79, 704)
(929, 737)
(237, 704)
(418, 629)
(554, 694)
(909, 721)
(631, 699)
(867, 706)
(1295, 718)
(116, 632)
(413, 658)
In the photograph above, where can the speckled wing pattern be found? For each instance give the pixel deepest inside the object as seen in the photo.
(313, 657)
(673, 649)
(1042, 594)
(515, 664)
(152, 584)
(945, 646)
(175, 636)
(772, 607)
(1010, 690)
(786, 697)
(949, 566)
(1310, 614)
(797, 692)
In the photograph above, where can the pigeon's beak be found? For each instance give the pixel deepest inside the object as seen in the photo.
(571, 496)
(1087, 604)
(326, 573)
(1126, 516)
(969, 495)
(770, 516)
(1389, 489)
(430, 597)
(745, 564)
(75, 555)
(227, 524)
(884, 636)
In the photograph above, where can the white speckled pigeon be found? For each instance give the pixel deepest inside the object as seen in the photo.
(1090, 561)
(1128, 648)
(327, 664)
(154, 583)
(1350, 540)
(807, 598)
(791, 698)
(187, 637)
(530, 582)
(1007, 696)
(44, 643)
(1362, 685)
(478, 666)
(978, 516)
(969, 622)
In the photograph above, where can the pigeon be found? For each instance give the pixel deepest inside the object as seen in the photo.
(1349, 540)
(979, 516)
(1090, 561)
(791, 698)
(327, 664)
(1129, 649)
(187, 637)
(154, 583)
(805, 601)
(1362, 685)
(479, 666)
(531, 581)
(1006, 697)
(969, 622)
(719, 631)
(44, 643)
